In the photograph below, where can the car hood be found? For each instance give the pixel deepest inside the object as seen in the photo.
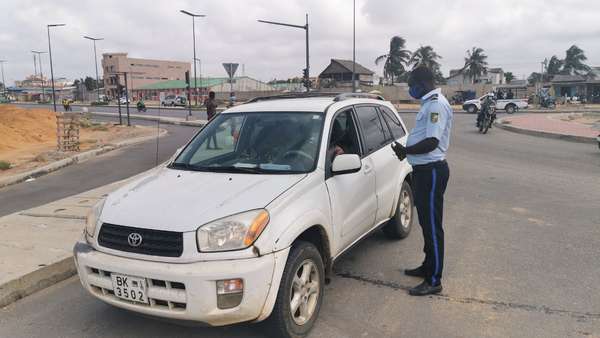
(474, 101)
(177, 200)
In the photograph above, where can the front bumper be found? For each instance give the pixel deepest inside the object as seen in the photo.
(183, 291)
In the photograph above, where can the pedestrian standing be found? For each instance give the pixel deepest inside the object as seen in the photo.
(426, 149)
(211, 111)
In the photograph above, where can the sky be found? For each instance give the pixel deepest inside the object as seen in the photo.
(516, 34)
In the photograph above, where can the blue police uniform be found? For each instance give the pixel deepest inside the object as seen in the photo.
(430, 177)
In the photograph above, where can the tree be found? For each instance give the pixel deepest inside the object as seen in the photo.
(475, 63)
(426, 56)
(395, 60)
(574, 63)
(554, 65)
(534, 78)
(508, 76)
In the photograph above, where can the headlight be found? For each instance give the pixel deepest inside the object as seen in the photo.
(93, 218)
(233, 232)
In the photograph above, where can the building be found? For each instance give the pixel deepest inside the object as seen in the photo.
(141, 72)
(494, 76)
(339, 73)
(219, 85)
(579, 86)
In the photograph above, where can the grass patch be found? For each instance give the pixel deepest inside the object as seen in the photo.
(4, 165)
(99, 127)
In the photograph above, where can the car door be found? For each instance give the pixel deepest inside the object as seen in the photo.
(377, 138)
(352, 196)
(388, 169)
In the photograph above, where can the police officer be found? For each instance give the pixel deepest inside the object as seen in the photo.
(426, 150)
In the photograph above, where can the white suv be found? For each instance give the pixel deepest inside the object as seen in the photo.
(245, 222)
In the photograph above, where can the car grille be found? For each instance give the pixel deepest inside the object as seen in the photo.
(154, 242)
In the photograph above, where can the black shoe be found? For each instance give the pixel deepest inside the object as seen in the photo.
(425, 289)
(418, 272)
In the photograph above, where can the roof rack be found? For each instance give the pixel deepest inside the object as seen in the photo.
(336, 96)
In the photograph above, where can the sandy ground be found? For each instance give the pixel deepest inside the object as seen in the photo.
(28, 137)
(591, 119)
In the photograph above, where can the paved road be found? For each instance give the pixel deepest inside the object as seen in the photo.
(522, 229)
(170, 112)
(110, 167)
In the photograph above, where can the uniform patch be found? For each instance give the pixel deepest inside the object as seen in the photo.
(434, 117)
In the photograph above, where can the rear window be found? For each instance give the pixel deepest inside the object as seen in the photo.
(374, 132)
(393, 122)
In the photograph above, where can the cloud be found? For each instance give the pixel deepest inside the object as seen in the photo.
(516, 34)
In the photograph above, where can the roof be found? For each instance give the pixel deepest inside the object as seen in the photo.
(345, 66)
(568, 78)
(302, 104)
(495, 70)
(180, 84)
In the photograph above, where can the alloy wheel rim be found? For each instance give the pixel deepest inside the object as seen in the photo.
(405, 209)
(305, 291)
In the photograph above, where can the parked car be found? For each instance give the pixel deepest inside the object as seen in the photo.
(249, 230)
(508, 105)
(174, 100)
(124, 100)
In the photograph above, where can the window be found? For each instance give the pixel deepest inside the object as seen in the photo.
(392, 121)
(343, 138)
(375, 136)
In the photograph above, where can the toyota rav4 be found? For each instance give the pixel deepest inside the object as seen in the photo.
(245, 222)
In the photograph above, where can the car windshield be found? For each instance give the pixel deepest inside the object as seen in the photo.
(255, 143)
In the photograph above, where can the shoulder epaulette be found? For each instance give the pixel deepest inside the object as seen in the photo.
(433, 97)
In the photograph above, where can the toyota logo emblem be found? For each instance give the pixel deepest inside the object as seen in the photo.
(134, 239)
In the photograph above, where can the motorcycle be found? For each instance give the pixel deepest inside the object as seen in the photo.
(487, 115)
(548, 102)
(141, 107)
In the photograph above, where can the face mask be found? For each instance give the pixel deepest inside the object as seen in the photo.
(417, 91)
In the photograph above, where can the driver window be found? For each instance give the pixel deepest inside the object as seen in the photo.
(343, 138)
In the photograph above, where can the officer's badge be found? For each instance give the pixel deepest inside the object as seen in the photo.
(434, 117)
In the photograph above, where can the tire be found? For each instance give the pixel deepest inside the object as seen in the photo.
(472, 109)
(172, 104)
(511, 109)
(552, 106)
(400, 225)
(282, 323)
(485, 125)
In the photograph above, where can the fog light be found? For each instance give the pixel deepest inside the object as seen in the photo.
(229, 293)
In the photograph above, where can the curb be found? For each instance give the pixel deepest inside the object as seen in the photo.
(36, 280)
(572, 138)
(164, 120)
(54, 166)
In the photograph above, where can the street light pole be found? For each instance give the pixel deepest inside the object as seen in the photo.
(39, 54)
(96, 62)
(305, 27)
(194, 16)
(51, 67)
(2, 62)
(199, 75)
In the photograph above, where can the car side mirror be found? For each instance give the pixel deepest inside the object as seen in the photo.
(346, 164)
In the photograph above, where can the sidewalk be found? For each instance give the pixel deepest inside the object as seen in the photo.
(36, 244)
(162, 119)
(552, 126)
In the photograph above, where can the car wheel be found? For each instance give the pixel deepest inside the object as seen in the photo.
(400, 225)
(472, 109)
(511, 108)
(300, 293)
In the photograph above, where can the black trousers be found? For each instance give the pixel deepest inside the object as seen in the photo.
(430, 182)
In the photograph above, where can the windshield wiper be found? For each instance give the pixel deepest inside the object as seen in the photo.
(236, 169)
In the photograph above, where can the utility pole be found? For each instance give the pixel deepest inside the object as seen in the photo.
(194, 16)
(39, 54)
(353, 46)
(96, 62)
(306, 71)
(51, 68)
(2, 62)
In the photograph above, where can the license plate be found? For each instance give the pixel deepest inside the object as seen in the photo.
(130, 288)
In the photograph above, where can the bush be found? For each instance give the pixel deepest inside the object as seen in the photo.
(4, 165)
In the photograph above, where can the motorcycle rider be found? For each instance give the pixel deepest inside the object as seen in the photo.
(141, 106)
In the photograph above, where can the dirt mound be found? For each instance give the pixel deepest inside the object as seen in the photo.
(21, 127)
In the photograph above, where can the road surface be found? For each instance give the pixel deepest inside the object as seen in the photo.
(522, 233)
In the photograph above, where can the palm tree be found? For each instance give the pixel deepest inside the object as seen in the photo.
(475, 63)
(426, 56)
(395, 60)
(574, 62)
(554, 65)
(509, 76)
